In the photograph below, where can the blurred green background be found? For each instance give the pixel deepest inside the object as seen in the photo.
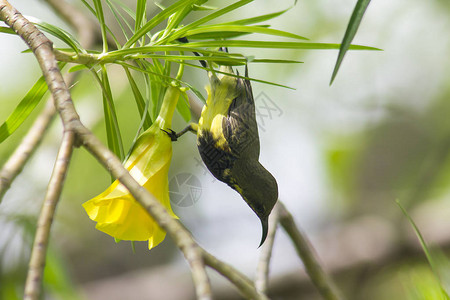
(342, 155)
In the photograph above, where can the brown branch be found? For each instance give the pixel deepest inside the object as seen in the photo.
(28, 145)
(304, 249)
(38, 254)
(262, 269)
(242, 282)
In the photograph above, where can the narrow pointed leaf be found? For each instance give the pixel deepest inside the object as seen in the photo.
(7, 30)
(112, 126)
(218, 35)
(61, 34)
(275, 61)
(120, 19)
(269, 44)
(257, 19)
(181, 32)
(431, 261)
(183, 107)
(352, 28)
(23, 109)
(203, 7)
(125, 8)
(242, 29)
(176, 58)
(178, 17)
(121, 54)
(242, 77)
(141, 15)
(156, 20)
(196, 92)
(101, 19)
(77, 68)
(140, 102)
(89, 7)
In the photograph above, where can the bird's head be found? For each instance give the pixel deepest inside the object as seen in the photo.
(259, 189)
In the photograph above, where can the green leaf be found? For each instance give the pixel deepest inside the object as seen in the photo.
(218, 35)
(101, 20)
(7, 30)
(269, 44)
(126, 9)
(61, 34)
(275, 61)
(350, 33)
(23, 109)
(218, 29)
(141, 14)
(181, 32)
(122, 54)
(89, 7)
(196, 92)
(203, 7)
(176, 58)
(112, 126)
(183, 107)
(120, 19)
(156, 81)
(178, 17)
(140, 102)
(77, 68)
(156, 20)
(242, 77)
(257, 19)
(433, 265)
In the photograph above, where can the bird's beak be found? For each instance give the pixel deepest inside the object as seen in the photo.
(265, 229)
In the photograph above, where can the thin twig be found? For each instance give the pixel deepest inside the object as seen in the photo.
(242, 282)
(262, 269)
(28, 145)
(36, 267)
(43, 50)
(306, 252)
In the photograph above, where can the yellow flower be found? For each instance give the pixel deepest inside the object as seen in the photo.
(115, 210)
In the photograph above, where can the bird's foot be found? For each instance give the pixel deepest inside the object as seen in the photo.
(174, 135)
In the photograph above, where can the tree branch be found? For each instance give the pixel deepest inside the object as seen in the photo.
(304, 249)
(242, 282)
(262, 269)
(36, 267)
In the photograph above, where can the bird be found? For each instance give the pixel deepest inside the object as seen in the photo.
(229, 145)
(228, 142)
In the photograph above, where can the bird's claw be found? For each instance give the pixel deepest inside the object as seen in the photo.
(172, 134)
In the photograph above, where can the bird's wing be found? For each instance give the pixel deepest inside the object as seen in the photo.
(239, 127)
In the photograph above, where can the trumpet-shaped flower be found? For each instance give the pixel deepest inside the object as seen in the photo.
(115, 210)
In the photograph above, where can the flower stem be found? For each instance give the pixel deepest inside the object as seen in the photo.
(169, 104)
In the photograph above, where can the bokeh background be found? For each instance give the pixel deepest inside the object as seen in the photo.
(342, 155)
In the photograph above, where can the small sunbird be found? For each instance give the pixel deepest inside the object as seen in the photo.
(228, 142)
